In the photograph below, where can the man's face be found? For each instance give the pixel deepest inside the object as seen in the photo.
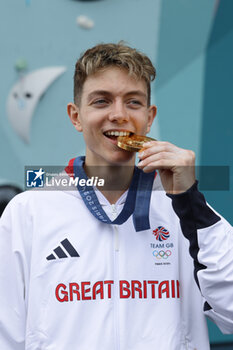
(111, 102)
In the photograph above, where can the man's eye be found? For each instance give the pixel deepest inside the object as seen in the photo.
(135, 102)
(100, 101)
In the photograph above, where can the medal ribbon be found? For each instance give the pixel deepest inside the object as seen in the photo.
(137, 201)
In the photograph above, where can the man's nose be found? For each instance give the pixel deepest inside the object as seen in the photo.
(118, 113)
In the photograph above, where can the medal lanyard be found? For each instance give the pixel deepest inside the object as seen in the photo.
(137, 201)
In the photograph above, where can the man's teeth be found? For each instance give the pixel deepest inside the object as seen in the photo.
(117, 133)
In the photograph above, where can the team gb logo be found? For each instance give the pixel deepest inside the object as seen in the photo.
(161, 234)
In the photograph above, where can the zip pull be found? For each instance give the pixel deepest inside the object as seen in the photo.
(114, 211)
(116, 236)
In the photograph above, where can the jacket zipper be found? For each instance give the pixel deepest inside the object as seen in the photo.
(116, 281)
(116, 231)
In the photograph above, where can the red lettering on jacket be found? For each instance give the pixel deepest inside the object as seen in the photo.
(74, 288)
(145, 289)
(178, 288)
(153, 283)
(98, 288)
(164, 288)
(136, 286)
(127, 289)
(109, 284)
(85, 291)
(173, 288)
(63, 292)
(124, 289)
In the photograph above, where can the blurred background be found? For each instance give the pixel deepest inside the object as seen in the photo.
(189, 41)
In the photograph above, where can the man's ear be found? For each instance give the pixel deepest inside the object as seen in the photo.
(73, 113)
(152, 111)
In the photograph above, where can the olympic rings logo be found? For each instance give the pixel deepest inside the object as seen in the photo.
(162, 254)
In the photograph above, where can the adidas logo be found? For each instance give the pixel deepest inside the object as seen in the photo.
(62, 253)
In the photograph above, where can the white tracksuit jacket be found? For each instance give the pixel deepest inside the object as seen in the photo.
(68, 281)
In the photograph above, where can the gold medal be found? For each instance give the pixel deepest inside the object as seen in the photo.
(132, 143)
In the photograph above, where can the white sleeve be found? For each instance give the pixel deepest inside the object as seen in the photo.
(211, 247)
(14, 272)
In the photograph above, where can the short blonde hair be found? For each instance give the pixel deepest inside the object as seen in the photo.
(117, 55)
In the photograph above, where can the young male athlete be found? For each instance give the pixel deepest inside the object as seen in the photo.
(112, 268)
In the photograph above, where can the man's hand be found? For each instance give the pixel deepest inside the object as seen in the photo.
(176, 165)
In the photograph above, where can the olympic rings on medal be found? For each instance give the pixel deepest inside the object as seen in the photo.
(162, 254)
